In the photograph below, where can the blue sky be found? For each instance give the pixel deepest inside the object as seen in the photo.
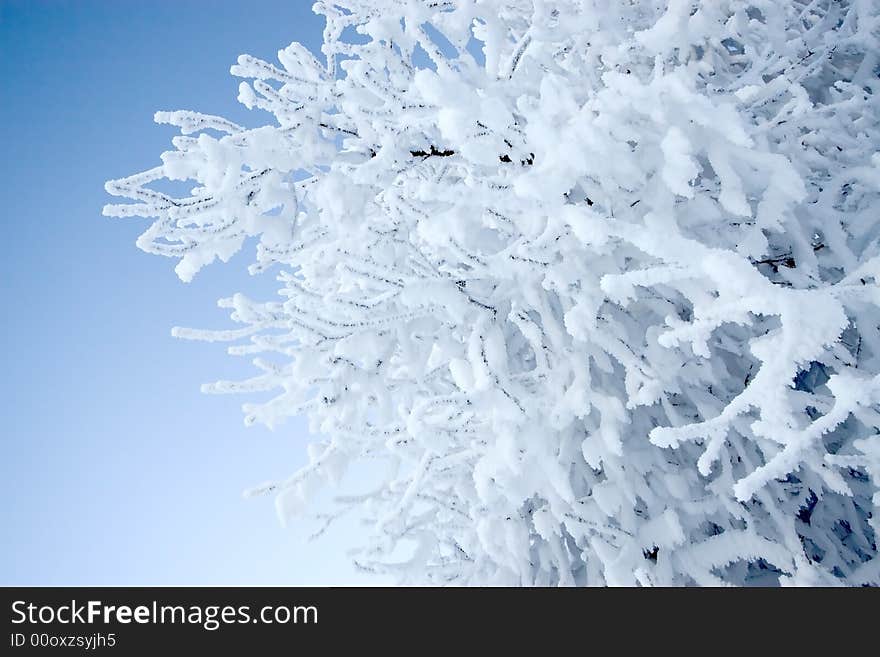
(115, 468)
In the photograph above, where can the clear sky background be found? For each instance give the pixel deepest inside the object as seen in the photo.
(115, 468)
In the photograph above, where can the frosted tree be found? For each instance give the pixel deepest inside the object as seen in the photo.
(596, 282)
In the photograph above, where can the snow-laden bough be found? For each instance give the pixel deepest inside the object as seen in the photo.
(598, 280)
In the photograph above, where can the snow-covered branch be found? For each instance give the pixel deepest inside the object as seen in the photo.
(599, 281)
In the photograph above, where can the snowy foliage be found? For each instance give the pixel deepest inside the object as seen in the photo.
(597, 280)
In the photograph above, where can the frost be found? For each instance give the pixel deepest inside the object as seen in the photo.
(679, 168)
(596, 283)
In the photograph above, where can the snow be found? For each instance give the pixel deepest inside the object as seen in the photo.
(562, 267)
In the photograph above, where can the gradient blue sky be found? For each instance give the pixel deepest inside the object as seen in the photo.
(115, 468)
